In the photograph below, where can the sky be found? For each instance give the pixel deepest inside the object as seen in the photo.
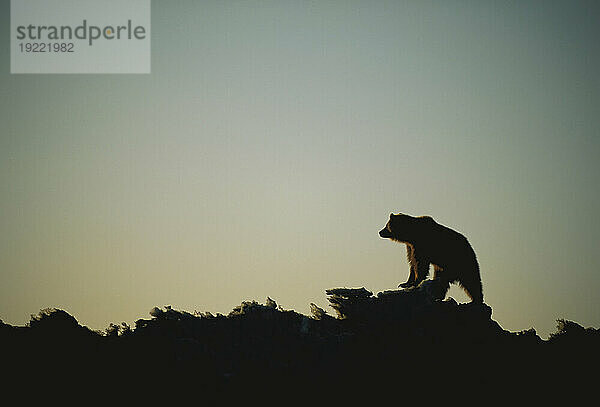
(272, 140)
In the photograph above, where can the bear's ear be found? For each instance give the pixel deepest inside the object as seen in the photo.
(392, 215)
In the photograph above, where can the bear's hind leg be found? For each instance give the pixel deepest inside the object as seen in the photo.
(467, 277)
(443, 278)
(473, 289)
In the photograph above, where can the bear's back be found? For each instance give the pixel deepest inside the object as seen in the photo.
(448, 244)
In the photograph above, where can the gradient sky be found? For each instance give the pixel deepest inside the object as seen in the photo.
(272, 140)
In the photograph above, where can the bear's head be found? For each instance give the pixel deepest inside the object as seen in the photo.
(403, 228)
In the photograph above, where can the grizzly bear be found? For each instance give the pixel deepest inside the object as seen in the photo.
(428, 242)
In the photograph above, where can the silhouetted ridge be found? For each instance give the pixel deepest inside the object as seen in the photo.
(401, 336)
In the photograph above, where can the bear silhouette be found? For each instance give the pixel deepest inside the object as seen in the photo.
(428, 242)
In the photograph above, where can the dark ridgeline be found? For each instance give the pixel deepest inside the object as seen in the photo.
(402, 338)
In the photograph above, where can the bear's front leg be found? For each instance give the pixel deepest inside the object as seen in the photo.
(412, 276)
(409, 283)
(421, 267)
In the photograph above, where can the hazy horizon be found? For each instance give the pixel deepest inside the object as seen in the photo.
(271, 141)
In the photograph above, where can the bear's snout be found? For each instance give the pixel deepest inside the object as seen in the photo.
(385, 233)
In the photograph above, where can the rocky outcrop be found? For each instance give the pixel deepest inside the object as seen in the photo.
(399, 336)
